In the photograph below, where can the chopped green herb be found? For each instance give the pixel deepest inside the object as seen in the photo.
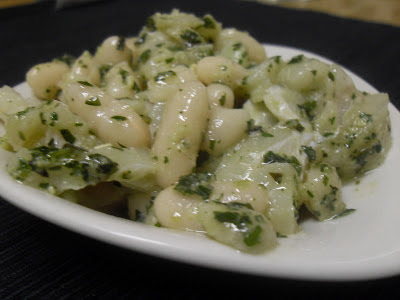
(93, 101)
(253, 237)
(54, 116)
(310, 152)
(309, 193)
(308, 108)
(195, 183)
(326, 134)
(66, 58)
(209, 22)
(266, 134)
(119, 118)
(331, 76)
(271, 157)
(212, 144)
(277, 177)
(277, 59)
(141, 39)
(346, 212)
(136, 88)
(150, 24)
(124, 75)
(366, 117)
(164, 75)
(280, 235)
(21, 135)
(44, 185)
(166, 160)
(222, 100)
(191, 37)
(296, 59)
(121, 43)
(144, 57)
(68, 136)
(85, 83)
(295, 124)
(237, 46)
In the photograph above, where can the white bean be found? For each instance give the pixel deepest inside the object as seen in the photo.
(226, 127)
(177, 211)
(112, 121)
(220, 95)
(43, 79)
(245, 192)
(164, 89)
(212, 69)
(85, 68)
(112, 51)
(179, 136)
(255, 50)
(120, 81)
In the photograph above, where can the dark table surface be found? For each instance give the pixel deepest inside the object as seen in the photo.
(42, 260)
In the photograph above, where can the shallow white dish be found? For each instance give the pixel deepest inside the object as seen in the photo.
(364, 245)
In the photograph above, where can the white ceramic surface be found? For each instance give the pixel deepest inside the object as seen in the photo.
(363, 245)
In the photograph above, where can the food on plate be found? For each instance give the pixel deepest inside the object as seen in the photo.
(191, 126)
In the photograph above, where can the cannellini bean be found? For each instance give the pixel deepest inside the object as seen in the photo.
(112, 51)
(255, 50)
(120, 81)
(112, 121)
(213, 69)
(226, 127)
(220, 95)
(177, 211)
(85, 68)
(179, 136)
(43, 79)
(168, 83)
(246, 192)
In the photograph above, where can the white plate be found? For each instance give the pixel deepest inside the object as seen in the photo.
(364, 245)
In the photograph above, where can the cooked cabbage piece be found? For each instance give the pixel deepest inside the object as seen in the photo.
(236, 225)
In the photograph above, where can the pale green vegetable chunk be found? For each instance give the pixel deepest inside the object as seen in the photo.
(322, 191)
(361, 141)
(273, 160)
(50, 124)
(236, 225)
(11, 101)
(136, 167)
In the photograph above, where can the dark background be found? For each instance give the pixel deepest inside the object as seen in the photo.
(41, 260)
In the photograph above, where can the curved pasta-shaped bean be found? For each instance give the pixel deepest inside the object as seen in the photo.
(112, 121)
(179, 136)
(177, 211)
(220, 95)
(112, 51)
(227, 126)
(167, 83)
(85, 68)
(43, 79)
(212, 69)
(121, 81)
(255, 50)
(245, 192)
